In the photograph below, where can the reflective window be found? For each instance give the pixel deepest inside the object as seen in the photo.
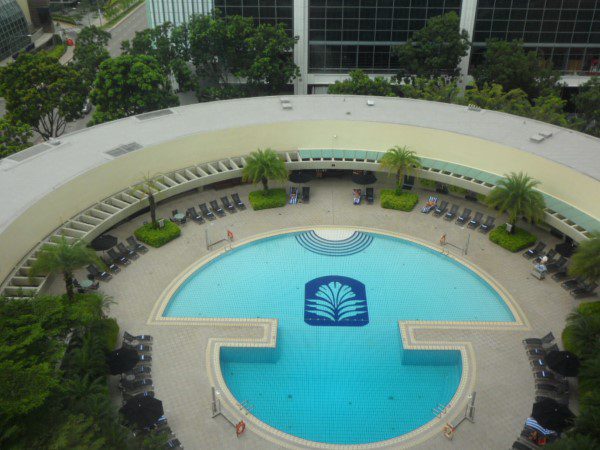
(14, 33)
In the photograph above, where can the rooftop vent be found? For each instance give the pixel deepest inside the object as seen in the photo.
(28, 153)
(473, 107)
(370, 103)
(154, 114)
(541, 136)
(123, 149)
(285, 103)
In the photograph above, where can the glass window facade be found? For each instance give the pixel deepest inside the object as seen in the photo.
(567, 32)
(358, 34)
(262, 11)
(175, 11)
(13, 29)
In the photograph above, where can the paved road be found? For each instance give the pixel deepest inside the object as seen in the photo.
(126, 30)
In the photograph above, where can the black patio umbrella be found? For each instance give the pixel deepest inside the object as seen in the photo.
(142, 411)
(122, 360)
(104, 242)
(552, 415)
(565, 363)
(565, 249)
(364, 178)
(300, 176)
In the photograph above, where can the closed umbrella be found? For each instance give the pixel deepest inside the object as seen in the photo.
(300, 176)
(552, 415)
(364, 178)
(104, 242)
(142, 410)
(122, 360)
(565, 363)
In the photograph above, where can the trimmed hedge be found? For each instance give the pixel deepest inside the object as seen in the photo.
(400, 201)
(272, 198)
(157, 237)
(512, 242)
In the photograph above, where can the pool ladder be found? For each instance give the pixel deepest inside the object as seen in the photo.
(440, 410)
(245, 405)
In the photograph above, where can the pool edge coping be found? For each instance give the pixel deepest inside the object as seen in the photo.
(407, 330)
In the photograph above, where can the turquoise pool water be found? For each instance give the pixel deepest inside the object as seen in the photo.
(339, 373)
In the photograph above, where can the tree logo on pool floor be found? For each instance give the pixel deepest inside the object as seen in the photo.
(335, 301)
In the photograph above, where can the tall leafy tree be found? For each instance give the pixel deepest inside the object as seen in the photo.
(508, 64)
(90, 51)
(64, 259)
(128, 85)
(14, 136)
(433, 89)
(436, 49)
(550, 108)
(495, 98)
(42, 93)
(587, 105)
(584, 333)
(516, 195)
(401, 161)
(586, 260)
(264, 165)
(360, 83)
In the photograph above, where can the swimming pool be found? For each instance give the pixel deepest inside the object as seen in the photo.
(339, 373)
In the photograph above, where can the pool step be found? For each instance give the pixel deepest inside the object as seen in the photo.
(356, 243)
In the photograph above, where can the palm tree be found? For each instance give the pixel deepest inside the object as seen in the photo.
(516, 195)
(399, 160)
(64, 258)
(263, 165)
(583, 333)
(147, 187)
(586, 260)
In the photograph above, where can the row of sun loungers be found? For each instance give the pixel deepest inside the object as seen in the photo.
(138, 380)
(465, 218)
(120, 255)
(211, 213)
(297, 194)
(357, 196)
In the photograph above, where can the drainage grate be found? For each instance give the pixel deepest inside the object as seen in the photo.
(29, 152)
(123, 149)
(154, 114)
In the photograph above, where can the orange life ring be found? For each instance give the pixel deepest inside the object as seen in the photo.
(449, 431)
(240, 427)
(230, 237)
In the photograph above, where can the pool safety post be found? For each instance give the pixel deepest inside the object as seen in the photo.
(450, 430)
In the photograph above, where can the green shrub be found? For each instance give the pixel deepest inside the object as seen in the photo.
(63, 18)
(157, 237)
(108, 329)
(272, 198)
(513, 242)
(401, 201)
(588, 309)
(57, 51)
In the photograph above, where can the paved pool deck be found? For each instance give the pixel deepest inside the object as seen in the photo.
(181, 372)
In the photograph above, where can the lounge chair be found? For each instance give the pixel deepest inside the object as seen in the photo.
(440, 209)
(139, 338)
(452, 213)
(537, 250)
(216, 208)
(587, 290)
(145, 359)
(127, 252)
(98, 274)
(228, 205)
(194, 216)
(206, 212)
(553, 266)
(293, 196)
(561, 274)
(539, 341)
(133, 385)
(573, 283)
(475, 221)
(538, 364)
(548, 375)
(238, 203)
(116, 258)
(550, 255)
(112, 267)
(487, 225)
(429, 205)
(556, 389)
(562, 399)
(140, 348)
(305, 194)
(464, 217)
(135, 245)
(370, 197)
(127, 395)
(357, 193)
(523, 445)
(140, 370)
(173, 443)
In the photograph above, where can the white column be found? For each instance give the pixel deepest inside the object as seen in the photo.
(467, 22)
(301, 49)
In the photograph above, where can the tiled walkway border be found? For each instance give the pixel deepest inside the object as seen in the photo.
(407, 329)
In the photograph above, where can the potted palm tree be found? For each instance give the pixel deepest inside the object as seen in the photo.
(401, 161)
(516, 195)
(262, 166)
(64, 258)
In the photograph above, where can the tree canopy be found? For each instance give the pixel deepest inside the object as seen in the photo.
(90, 51)
(41, 92)
(434, 50)
(263, 165)
(508, 64)
(587, 104)
(128, 85)
(433, 89)
(400, 160)
(14, 136)
(586, 260)
(360, 83)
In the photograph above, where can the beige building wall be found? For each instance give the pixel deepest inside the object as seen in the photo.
(80, 193)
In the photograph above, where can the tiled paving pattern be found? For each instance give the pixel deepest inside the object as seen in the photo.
(503, 380)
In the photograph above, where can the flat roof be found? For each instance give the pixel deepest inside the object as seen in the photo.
(28, 176)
